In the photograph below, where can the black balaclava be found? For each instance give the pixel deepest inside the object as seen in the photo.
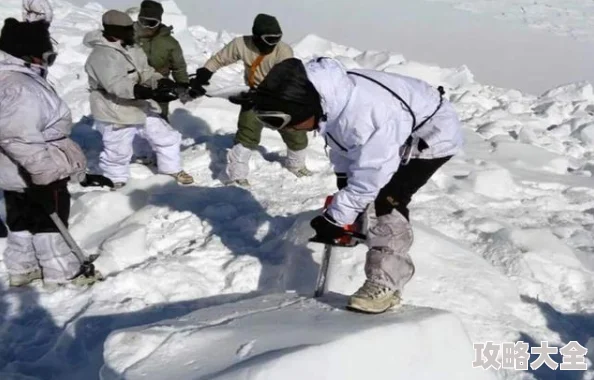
(118, 25)
(287, 89)
(26, 40)
(265, 24)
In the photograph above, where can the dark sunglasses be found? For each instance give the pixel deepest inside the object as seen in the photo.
(149, 23)
(271, 39)
(273, 119)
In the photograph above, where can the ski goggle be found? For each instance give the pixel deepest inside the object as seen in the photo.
(148, 22)
(274, 120)
(271, 39)
(49, 57)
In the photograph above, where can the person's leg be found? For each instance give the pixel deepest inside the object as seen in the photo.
(247, 138)
(114, 160)
(19, 255)
(296, 142)
(166, 142)
(388, 265)
(58, 263)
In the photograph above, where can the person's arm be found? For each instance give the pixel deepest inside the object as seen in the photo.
(107, 67)
(21, 121)
(373, 162)
(226, 56)
(179, 67)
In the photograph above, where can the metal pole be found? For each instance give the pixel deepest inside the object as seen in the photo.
(68, 238)
(323, 273)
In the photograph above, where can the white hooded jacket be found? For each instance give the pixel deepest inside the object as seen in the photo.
(367, 127)
(113, 71)
(35, 125)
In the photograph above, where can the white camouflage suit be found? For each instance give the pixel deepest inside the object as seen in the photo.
(113, 71)
(365, 129)
(35, 125)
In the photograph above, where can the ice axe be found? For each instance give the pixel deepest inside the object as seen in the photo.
(87, 268)
(350, 239)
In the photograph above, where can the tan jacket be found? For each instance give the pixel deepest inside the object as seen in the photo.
(244, 49)
(113, 71)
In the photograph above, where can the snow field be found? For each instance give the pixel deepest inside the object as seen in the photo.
(503, 242)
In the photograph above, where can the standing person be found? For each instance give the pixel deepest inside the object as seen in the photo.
(259, 53)
(163, 51)
(388, 134)
(124, 89)
(37, 158)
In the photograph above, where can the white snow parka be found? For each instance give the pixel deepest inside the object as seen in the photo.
(367, 128)
(35, 126)
(113, 71)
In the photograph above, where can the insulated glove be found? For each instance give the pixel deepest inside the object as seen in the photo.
(202, 77)
(142, 92)
(244, 99)
(166, 84)
(327, 230)
(96, 180)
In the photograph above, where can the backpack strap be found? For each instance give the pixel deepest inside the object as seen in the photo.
(422, 144)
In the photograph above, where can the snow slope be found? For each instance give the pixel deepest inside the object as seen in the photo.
(503, 240)
(564, 17)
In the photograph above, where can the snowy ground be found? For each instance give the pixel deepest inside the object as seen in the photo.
(571, 18)
(503, 240)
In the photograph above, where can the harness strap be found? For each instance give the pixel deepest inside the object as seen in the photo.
(253, 68)
(414, 126)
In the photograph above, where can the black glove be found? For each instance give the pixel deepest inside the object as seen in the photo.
(196, 92)
(166, 84)
(202, 77)
(142, 92)
(327, 230)
(341, 180)
(165, 95)
(96, 180)
(243, 99)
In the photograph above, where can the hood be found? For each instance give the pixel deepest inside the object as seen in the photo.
(330, 79)
(95, 38)
(11, 63)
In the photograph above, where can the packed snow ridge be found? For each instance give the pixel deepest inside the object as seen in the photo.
(212, 282)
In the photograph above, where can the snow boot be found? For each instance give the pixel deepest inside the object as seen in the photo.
(301, 172)
(373, 298)
(237, 182)
(183, 178)
(118, 185)
(16, 280)
(82, 280)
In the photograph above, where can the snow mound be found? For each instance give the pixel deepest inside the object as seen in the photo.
(291, 338)
(311, 46)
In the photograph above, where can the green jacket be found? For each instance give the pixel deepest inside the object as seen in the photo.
(164, 53)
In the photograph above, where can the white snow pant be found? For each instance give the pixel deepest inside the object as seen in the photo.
(388, 262)
(118, 140)
(295, 159)
(238, 161)
(49, 252)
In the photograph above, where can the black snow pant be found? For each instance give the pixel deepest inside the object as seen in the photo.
(409, 178)
(24, 214)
